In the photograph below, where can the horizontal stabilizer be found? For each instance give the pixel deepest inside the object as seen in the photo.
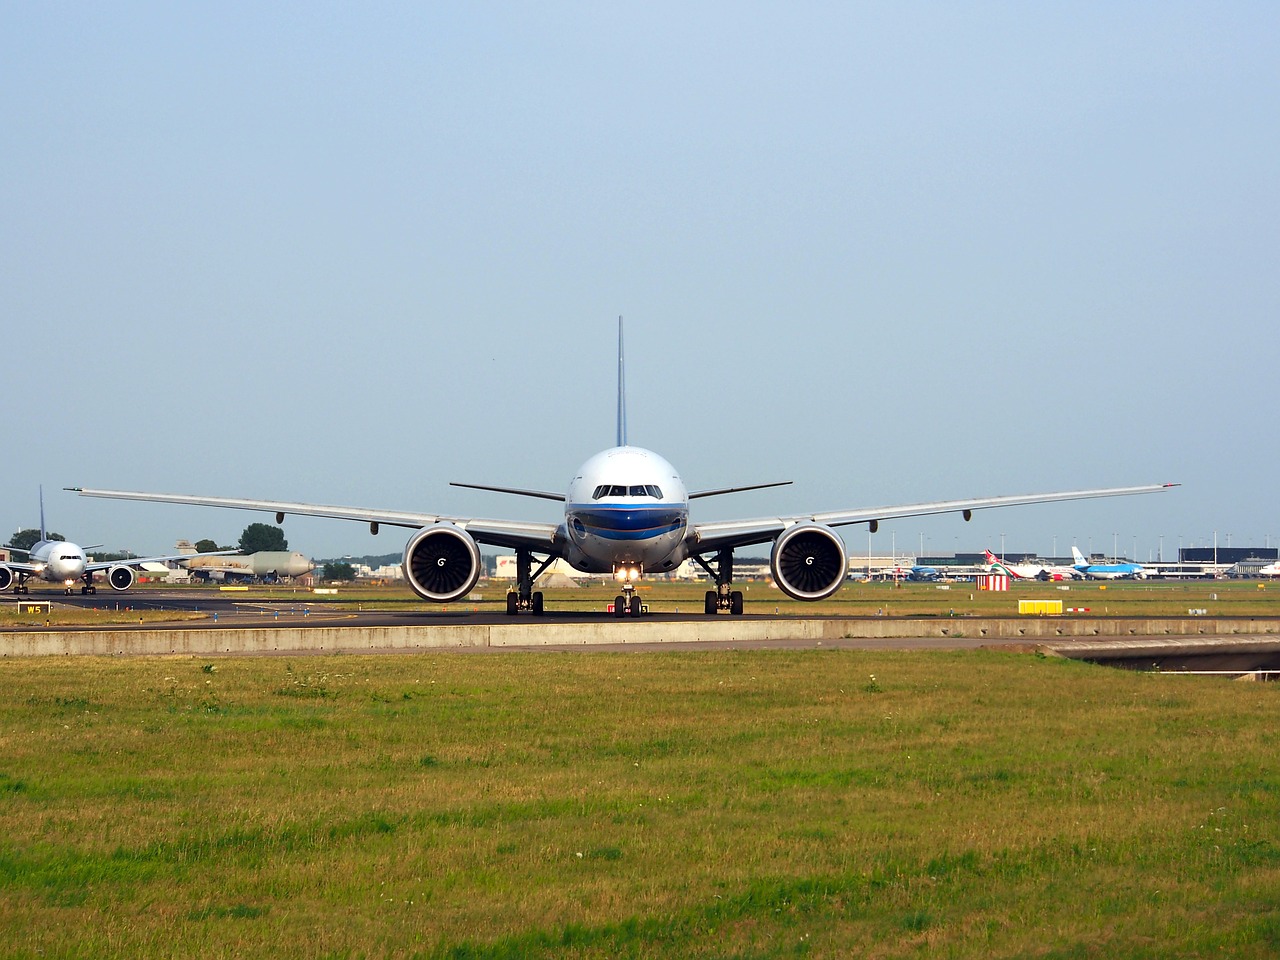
(755, 486)
(539, 494)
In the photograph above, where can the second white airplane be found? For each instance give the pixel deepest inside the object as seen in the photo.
(626, 513)
(65, 563)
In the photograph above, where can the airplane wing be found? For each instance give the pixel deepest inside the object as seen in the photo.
(139, 561)
(21, 567)
(530, 535)
(722, 534)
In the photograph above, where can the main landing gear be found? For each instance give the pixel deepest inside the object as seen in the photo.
(722, 597)
(524, 597)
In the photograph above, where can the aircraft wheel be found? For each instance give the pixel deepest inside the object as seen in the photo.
(636, 607)
(619, 605)
(537, 603)
(709, 603)
(512, 601)
(735, 603)
(93, 590)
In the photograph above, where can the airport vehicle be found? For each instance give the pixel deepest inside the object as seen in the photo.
(65, 563)
(1107, 571)
(626, 513)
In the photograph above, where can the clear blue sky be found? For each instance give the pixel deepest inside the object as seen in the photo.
(891, 251)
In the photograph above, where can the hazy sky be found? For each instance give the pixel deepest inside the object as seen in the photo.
(346, 253)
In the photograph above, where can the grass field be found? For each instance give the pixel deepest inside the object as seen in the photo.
(721, 804)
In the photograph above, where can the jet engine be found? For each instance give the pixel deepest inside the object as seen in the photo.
(441, 563)
(808, 561)
(6, 577)
(120, 578)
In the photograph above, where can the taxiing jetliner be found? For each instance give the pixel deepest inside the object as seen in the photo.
(1107, 571)
(626, 513)
(64, 562)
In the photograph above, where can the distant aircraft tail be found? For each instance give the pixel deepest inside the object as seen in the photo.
(1078, 556)
(185, 547)
(991, 557)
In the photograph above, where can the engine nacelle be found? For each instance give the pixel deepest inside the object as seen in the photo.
(6, 577)
(120, 578)
(808, 561)
(441, 563)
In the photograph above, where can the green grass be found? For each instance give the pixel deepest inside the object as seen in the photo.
(721, 804)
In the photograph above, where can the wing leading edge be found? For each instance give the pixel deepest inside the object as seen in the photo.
(502, 533)
(723, 534)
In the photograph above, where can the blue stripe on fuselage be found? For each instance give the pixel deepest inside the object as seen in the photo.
(628, 521)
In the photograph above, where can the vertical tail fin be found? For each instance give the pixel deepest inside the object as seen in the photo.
(43, 536)
(622, 392)
(1078, 556)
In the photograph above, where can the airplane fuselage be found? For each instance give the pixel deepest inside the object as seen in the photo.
(59, 561)
(626, 507)
(1113, 571)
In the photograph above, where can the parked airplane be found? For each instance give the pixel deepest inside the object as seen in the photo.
(1270, 570)
(263, 565)
(64, 562)
(921, 574)
(1107, 571)
(1031, 571)
(1014, 571)
(626, 513)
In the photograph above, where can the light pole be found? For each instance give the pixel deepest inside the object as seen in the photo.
(1002, 548)
(1115, 538)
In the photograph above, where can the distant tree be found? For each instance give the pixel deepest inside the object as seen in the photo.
(262, 536)
(206, 546)
(26, 539)
(339, 570)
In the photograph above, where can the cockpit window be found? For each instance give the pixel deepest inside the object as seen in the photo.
(632, 490)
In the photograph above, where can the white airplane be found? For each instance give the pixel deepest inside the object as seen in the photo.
(1270, 570)
(1031, 571)
(64, 562)
(626, 513)
(1015, 571)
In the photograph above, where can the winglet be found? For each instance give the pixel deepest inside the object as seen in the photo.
(622, 392)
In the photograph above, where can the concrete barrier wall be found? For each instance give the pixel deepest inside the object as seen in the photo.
(196, 641)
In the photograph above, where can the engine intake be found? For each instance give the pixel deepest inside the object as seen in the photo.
(6, 577)
(120, 578)
(441, 563)
(808, 562)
